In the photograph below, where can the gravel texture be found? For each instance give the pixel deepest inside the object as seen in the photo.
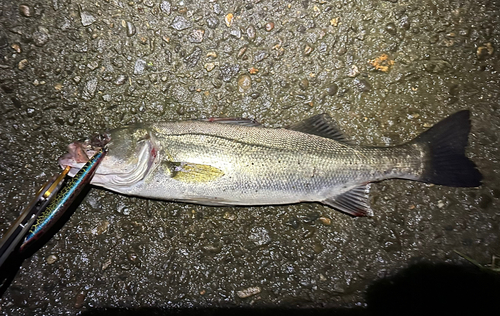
(69, 69)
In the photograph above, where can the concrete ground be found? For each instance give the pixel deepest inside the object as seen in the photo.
(385, 70)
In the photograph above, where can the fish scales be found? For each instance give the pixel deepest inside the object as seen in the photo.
(268, 165)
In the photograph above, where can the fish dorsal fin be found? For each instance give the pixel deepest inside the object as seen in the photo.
(321, 125)
(191, 172)
(353, 202)
(232, 120)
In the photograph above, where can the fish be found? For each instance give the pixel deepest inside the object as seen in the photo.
(228, 161)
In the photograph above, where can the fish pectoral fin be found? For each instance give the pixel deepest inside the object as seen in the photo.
(192, 172)
(354, 202)
(233, 121)
(322, 125)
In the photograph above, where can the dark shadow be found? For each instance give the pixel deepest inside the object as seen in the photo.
(11, 266)
(422, 289)
(273, 311)
(436, 289)
(9, 271)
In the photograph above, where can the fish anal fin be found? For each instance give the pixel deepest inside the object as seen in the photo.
(233, 121)
(322, 125)
(192, 173)
(354, 202)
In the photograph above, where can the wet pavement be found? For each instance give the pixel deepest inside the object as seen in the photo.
(385, 70)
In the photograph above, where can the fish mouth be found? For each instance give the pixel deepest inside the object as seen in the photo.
(80, 152)
(122, 167)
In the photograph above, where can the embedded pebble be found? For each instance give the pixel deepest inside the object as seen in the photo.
(80, 299)
(212, 22)
(166, 7)
(244, 83)
(192, 59)
(89, 89)
(139, 67)
(16, 47)
(241, 52)
(269, 26)
(229, 19)
(308, 49)
(484, 51)
(123, 209)
(259, 56)
(304, 84)
(250, 291)
(229, 216)
(102, 228)
(25, 10)
(212, 54)
(251, 32)
(168, 56)
(391, 28)
(196, 36)
(404, 23)
(93, 65)
(363, 85)
(180, 23)
(318, 248)
(51, 259)
(130, 29)
(217, 8)
(86, 18)
(120, 80)
(22, 64)
(325, 220)
(40, 38)
(228, 71)
(332, 89)
(209, 66)
(353, 71)
(259, 236)
(133, 257)
(235, 32)
(212, 248)
(255, 95)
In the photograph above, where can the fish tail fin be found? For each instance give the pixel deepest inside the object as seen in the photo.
(445, 162)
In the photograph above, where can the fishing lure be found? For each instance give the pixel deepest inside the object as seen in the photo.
(20, 227)
(63, 200)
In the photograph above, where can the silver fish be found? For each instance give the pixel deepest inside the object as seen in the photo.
(238, 162)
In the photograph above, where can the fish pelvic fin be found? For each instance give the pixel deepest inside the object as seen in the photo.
(354, 202)
(444, 159)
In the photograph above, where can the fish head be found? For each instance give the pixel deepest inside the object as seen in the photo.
(132, 153)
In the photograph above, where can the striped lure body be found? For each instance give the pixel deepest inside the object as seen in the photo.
(64, 198)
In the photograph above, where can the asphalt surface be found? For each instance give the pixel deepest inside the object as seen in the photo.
(385, 70)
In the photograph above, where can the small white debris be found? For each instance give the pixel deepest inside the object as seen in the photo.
(253, 290)
(51, 259)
